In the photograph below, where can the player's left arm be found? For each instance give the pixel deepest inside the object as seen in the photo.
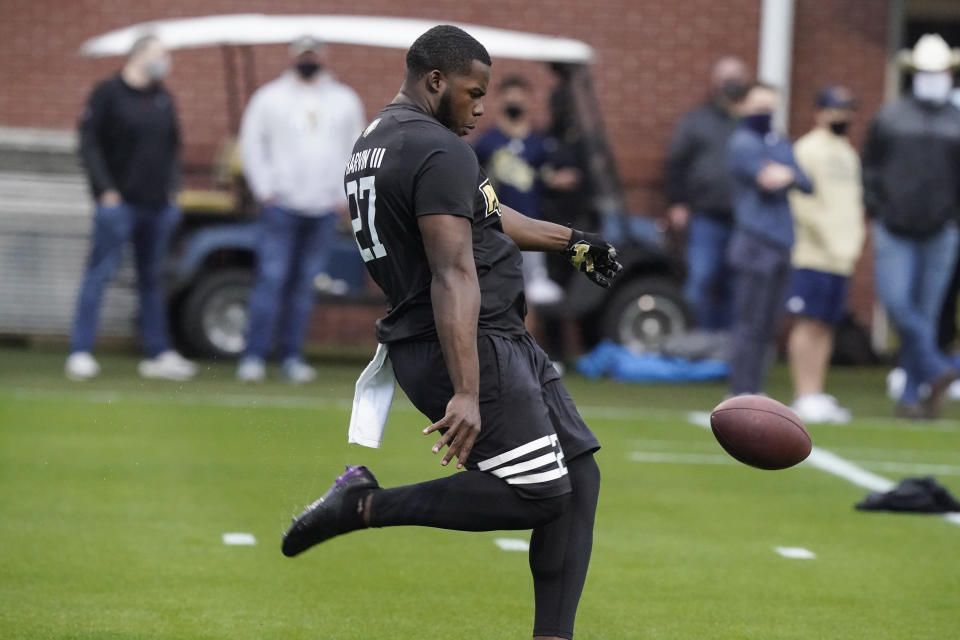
(587, 252)
(533, 235)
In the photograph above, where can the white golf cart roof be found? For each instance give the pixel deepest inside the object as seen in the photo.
(372, 31)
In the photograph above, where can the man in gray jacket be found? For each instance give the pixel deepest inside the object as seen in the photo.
(698, 187)
(911, 182)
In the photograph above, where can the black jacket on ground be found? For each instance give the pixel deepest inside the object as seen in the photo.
(697, 172)
(911, 167)
(130, 141)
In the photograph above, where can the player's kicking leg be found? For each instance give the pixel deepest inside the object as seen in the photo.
(517, 477)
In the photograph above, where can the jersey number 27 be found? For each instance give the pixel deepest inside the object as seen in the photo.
(358, 190)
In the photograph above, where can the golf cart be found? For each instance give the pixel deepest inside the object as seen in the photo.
(211, 263)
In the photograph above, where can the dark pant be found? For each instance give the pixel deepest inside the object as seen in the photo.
(150, 229)
(709, 285)
(761, 275)
(291, 250)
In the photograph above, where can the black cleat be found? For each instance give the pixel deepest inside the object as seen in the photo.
(340, 510)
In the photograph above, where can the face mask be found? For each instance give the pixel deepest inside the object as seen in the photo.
(514, 111)
(732, 90)
(307, 68)
(157, 69)
(932, 86)
(759, 122)
(840, 127)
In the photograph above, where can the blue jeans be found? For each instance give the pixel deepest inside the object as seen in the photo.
(912, 276)
(291, 250)
(709, 285)
(150, 229)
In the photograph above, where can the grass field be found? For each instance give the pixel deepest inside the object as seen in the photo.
(115, 494)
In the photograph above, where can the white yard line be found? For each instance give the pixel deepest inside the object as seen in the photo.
(796, 553)
(512, 544)
(239, 539)
(280, 401)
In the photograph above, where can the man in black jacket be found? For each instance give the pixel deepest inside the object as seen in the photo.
(130, 145)
(698, 186)
(911, 182)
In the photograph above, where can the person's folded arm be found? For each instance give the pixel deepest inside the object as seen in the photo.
(746, 159)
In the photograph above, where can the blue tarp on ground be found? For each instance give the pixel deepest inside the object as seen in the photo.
(615, 361)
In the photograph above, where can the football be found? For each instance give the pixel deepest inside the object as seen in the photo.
(760, 432)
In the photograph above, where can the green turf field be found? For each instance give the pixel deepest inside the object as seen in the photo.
(115, 495)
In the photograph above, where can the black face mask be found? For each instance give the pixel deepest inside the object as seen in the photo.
(307, 68)
(514, 111)
(759, 122)
(732, 91)
(840, 127)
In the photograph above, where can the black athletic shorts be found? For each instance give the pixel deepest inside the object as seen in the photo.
(529, 424)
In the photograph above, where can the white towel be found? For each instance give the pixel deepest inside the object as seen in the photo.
(372, 398)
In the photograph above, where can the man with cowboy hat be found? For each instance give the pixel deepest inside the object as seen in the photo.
(911, 181)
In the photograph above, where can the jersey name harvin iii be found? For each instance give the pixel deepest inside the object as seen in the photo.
(406, 165)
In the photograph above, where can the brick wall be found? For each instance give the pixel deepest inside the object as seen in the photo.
(653, 58)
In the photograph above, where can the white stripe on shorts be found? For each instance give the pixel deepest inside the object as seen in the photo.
(534, 478)
(513, 454)
(529, 465)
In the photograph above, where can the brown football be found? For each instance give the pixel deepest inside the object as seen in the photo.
(760, 432)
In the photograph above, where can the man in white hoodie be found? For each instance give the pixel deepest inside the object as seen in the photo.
(296, 137)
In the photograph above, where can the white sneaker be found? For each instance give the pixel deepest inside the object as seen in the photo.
(543, 290)
(251, 370)
(297, 371)
(169, 365)
(896, 381)
(81, 366)
(820, 408)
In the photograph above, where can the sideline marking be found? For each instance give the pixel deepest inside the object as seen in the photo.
(512, 544)
(796, 553)
(831, 463)
(401, 404)
(239, 539)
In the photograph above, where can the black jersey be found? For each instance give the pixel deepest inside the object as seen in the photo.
(405, 165)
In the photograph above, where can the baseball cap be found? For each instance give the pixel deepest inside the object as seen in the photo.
(835, 97)
(304, 44)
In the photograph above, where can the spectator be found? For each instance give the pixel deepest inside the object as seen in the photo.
(129, 145)
(911, 181)
(947, 331)
(513, 156)
(296, 137)
(762, 170)
(698, 187)
(829, 230)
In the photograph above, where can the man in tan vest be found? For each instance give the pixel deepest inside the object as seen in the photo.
(830, 229)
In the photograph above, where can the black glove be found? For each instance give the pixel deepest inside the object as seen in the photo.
(591, 254)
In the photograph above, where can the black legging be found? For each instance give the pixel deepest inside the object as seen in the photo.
(475, 501)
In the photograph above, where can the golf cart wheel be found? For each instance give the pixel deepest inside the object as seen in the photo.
(214, 316)
(641, 315)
